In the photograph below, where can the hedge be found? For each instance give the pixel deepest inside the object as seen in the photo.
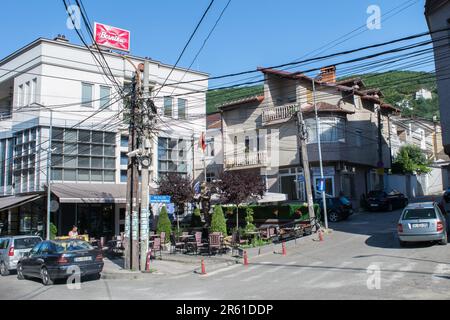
(283, 212)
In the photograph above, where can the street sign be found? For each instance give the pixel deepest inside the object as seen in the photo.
(112, 37)
(159, 199)
(321, 185)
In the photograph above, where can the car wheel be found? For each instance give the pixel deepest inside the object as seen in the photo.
(389, 208)
(20, 275)
(444, 241)
(45, 276)
(96, 276)
(4, 269)
(333, 216)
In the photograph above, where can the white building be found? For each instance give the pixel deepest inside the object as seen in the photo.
(90, 136)
(424, 94)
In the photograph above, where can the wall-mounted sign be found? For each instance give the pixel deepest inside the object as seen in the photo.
(112, 37)
(159, 199)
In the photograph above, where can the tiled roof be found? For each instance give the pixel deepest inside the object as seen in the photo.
(213, 120)
(256, 98)
(325, 107)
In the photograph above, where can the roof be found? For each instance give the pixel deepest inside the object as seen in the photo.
(214, 121)
(90, 193)
(15, 201)
(433, 5)
(325, 107)
(246, 100)
(428, 204)
(351, 81)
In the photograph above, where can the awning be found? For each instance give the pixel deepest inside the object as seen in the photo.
(272, 197)
(15, 201)
(89, 192)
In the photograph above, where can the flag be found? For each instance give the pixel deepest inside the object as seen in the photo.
(202, 142)
(197, 187)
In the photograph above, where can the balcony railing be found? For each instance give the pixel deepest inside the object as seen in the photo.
(278, 114)
(5, 115)
(245, 160)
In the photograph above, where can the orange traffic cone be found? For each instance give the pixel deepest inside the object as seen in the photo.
(245, 258)
(203, 267)
(283, 248)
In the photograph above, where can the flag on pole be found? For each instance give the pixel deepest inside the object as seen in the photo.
(202, 142)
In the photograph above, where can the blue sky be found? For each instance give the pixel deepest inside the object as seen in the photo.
(251, 33)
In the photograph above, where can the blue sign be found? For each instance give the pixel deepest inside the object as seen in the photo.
(170, 208)
(159, 199)
(321, 185)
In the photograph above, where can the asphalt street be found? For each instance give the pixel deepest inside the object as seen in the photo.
(360, 259)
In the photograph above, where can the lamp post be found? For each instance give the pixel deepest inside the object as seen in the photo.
(320, 154)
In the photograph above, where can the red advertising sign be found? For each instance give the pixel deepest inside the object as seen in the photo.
(112, 37)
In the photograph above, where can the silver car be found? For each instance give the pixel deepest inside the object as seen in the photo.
(12, 248)
(421, 222)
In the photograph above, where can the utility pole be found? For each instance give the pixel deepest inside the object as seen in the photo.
(131, 216)
(49, 172)
(380, 165)
(303, 153)
(319, 145)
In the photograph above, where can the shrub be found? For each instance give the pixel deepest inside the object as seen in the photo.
(249, 219)
(196, 219)
(53, 231)
(164, 224)
(218, 223)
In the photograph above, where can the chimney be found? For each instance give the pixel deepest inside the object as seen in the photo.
(61, 37)
(328, 74)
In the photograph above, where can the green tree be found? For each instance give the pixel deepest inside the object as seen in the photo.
(410, 160)
(164, 224)
(196, 220)
(249, 219)
(53, 231)
(218, 223)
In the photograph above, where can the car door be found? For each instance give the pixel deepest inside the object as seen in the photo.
(31, 265)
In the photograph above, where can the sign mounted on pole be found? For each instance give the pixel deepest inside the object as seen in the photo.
(159, 199)
(112, 37)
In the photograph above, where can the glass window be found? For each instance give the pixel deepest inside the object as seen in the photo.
(109, 163)
(84, 136)
(414, 214)
(109, 151)
(70, 175)
(123, 176)
(57, 174)
(168, 101)
(109, 175)
(97, 150)
(57, 161)
(182, 108)
(70, 162)
(70, 148)
(97, 137)
(83, 175)
(110, 138)
(70, 136)
(84, 149)
(96, 175)
(124, 141)
(210, 147)
(331, 130)
(58, 147)
(123, 159)
(84, 162)
(97, 163)
(105, 96)
(57, 134)
(86, 94)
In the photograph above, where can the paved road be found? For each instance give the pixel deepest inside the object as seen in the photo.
(334, 269)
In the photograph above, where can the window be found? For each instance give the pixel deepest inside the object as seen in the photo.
(83, 175)
(331, 130)
(172, 155)
(210, 176)
(168, 106)
(182, 108)
(20, 96)
(27, 93)
(123, 176)
(210, 147)
(105, 94)
(34, 90)
(123, 159)
(358, 138)
(124, 141)
(86, 94)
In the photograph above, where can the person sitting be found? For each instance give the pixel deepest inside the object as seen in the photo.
(73, 234)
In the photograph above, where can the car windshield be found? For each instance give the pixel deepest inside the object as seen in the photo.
(72, 245)
(25, 243)
(412, 214)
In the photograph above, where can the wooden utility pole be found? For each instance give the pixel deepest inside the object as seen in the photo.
(303, 154)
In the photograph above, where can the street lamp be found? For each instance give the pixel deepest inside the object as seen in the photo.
(320, 154)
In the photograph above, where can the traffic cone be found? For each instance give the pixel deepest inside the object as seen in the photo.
(283, 248)
(203, 267)
(245, 258)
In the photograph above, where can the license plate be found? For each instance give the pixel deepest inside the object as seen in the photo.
(419, 225)
(374, 205)
(81, 259)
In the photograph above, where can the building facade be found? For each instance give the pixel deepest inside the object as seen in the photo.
(57, 84)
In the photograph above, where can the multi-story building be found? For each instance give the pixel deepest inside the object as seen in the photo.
(437, 13)
(260, 133)
(54, 83)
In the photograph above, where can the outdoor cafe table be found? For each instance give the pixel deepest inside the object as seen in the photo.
(186, 237)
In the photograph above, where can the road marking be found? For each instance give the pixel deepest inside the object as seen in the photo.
(326, 273)
(400, 273)
(261, 274)
(309, 267)
(246, 270)
(441, 271)
(223, 270)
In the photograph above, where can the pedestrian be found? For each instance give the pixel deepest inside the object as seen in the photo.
(73, 234)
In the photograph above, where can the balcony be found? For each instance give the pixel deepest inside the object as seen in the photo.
(273, 115)
(5, 115)
(246, 160)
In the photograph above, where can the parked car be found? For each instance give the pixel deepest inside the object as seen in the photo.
(381, 200)
(12, 248)
(337, 209)
(422, 222)
(447, 195)
(54, 259)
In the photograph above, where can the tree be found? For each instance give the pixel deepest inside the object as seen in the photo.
(196, 220)
(249, 219)
(218, 223)
(410, 160)
(179, 188)
(236, 187)
(164, 224)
